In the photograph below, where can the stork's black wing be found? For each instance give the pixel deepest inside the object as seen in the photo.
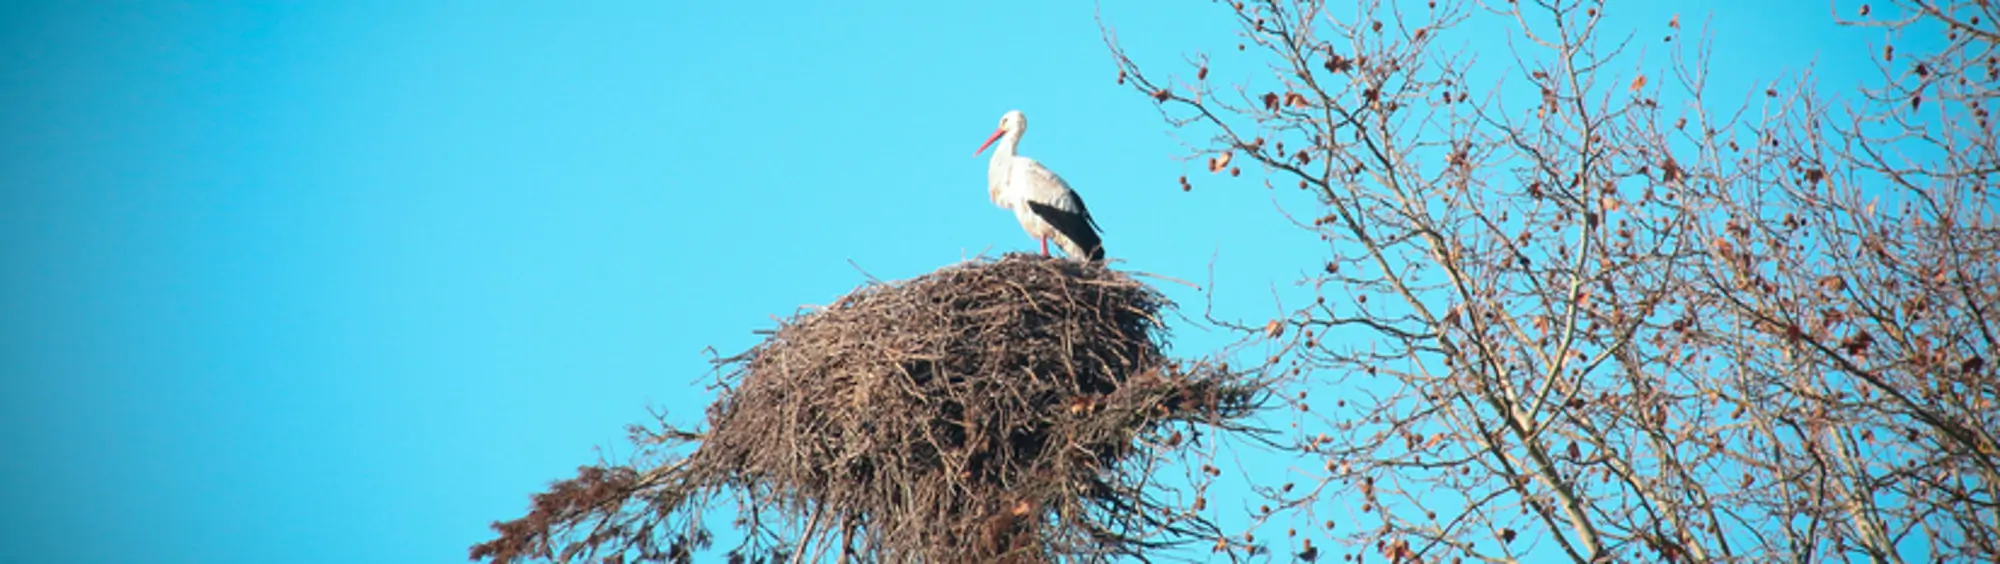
(1077, 226)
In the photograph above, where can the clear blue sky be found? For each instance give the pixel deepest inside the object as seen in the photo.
(345, 282)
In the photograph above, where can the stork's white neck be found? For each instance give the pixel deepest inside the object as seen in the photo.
(1009, 142)
(999, 171)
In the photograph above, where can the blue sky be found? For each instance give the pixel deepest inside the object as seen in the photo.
(345, 282)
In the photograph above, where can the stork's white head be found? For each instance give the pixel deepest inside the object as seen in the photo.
(1014, 122)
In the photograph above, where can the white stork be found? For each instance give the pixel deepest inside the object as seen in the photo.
(1045, 205)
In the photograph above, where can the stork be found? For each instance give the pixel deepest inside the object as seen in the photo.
(1045, 205)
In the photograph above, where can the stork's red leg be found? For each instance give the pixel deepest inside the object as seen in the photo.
(1045, 246)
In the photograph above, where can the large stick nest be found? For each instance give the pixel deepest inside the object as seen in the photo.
(1012, 410)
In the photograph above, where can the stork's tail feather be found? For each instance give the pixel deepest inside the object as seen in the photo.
(1089, 248)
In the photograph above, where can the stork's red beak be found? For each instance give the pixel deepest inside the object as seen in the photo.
(989, 141)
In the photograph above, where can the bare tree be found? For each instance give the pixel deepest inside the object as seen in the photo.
(1578, 304)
